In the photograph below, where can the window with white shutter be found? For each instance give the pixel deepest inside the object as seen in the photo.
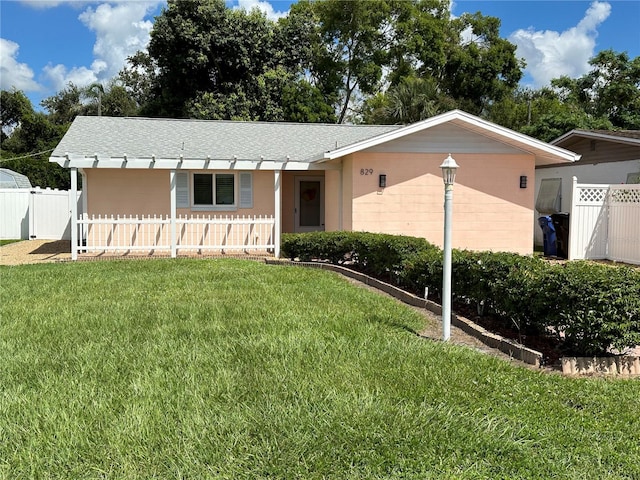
(182, 190)
(246, 190)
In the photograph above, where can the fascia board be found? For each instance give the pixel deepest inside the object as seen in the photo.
(464, 120)
(71, 161)
(595, 136)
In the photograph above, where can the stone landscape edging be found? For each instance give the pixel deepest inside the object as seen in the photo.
(505, 345)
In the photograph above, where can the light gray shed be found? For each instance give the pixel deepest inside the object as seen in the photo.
(11, 179)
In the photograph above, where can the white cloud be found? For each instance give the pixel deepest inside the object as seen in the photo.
(14, 74)
(121, 30)
(263, 6)
(551, 54)
(60, 76)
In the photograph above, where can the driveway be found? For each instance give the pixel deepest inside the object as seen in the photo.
(35, 251)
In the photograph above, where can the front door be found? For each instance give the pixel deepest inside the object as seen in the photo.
(309, 204)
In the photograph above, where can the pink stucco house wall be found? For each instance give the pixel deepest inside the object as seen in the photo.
(302, 177)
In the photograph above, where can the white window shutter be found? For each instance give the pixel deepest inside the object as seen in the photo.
(182, 190)
(246, 190)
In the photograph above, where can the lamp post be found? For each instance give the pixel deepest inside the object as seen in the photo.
(449, 167)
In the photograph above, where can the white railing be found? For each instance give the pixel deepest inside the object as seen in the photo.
(605, 222)
(193, 234)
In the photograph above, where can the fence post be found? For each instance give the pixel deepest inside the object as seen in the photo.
(573, 218)
(277, 213)
(73, 203)
(174, 203)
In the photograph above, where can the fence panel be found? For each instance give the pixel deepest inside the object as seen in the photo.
(195, 234)
(14, 213)
(50, 214)
(589, 227)
(624, 223)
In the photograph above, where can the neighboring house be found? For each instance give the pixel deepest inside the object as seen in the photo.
(311, 176)
(608, 157)
(11, 179)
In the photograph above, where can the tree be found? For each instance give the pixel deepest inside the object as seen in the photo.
(29, 138)
(95, 92)
(14, 105)
(349, 47)
(112, 101)
(65, 105)
(214, 62)
(410, 101)
(611, 90)
(481, 70)
(138, 78)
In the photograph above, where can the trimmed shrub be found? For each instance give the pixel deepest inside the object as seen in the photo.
(588, 307)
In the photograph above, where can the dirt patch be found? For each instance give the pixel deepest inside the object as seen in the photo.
(35, 251)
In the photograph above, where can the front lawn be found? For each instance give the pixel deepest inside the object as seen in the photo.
(233, 369)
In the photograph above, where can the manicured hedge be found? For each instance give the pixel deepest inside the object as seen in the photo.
(588, 306)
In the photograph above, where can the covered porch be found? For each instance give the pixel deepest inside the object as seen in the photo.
(282, 196)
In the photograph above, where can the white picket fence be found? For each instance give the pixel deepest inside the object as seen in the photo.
(193, 234)
(605, 222)
(35, 213)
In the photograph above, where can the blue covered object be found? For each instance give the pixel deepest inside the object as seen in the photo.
(549, 235)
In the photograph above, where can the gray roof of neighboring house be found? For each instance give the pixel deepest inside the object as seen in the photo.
(11, 179)
(623, 136)
(167, 138)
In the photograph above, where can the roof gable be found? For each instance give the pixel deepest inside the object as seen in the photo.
(544, 153)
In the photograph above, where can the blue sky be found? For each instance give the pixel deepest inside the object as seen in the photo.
(44, 44)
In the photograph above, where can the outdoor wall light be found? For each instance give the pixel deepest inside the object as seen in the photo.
(382, 181)
(523, 181)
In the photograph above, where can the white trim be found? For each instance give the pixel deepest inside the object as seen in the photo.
(80, 161)
(461, 119)
(73, 201)
(277, 228)
(595, 135)
(174, 204)
(296, 199)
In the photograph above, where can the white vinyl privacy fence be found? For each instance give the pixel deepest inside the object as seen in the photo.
(605, 222)
(35, 213)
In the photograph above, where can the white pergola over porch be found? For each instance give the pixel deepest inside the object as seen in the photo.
(174, 233)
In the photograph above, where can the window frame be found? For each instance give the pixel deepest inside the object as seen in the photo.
(214, 206)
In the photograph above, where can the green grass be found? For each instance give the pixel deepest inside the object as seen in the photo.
(7, 242)
(232, 369)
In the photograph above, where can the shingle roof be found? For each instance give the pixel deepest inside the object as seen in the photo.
(625, 136)
(11, 179)
(196, 139)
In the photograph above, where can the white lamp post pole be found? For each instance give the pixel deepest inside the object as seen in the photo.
(448, 167)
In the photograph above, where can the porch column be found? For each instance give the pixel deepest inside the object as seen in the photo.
(278, 213)
(340, 195)
(174, 203)
(73, 204)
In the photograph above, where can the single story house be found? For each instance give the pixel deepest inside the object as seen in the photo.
(608, 157)
(153, 184)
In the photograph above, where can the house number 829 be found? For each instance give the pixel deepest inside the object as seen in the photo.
(366, 171)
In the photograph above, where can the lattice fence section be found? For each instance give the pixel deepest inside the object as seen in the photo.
(626, 194)
(592, 194)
